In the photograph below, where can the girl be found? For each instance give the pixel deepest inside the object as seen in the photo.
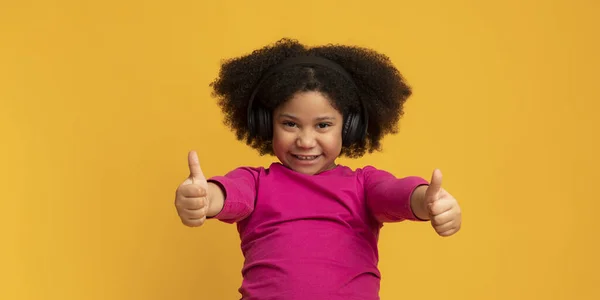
(308, 226)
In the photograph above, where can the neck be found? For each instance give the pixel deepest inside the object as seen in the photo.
(328, 168)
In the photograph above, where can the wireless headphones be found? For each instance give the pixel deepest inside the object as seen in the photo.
(259, 118)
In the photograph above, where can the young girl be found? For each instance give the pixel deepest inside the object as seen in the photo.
(308, 226)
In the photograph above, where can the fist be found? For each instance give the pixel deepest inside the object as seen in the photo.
(444, 211)
(191, 198)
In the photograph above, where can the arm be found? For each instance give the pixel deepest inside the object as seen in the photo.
(232, 197)
(390, 199)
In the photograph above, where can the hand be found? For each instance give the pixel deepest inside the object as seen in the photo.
(444, 211)
(191, 197)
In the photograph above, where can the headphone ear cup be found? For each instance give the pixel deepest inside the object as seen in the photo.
(263, 122)
(252, 125)
(351, 133)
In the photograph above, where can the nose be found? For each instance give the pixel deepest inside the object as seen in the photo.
(306, 139)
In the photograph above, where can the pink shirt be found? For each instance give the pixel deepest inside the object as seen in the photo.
(312, 236)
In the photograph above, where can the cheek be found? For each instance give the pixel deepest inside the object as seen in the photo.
(333, 142)
(281, 140)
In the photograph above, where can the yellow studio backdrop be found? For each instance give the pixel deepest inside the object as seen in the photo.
(101, 101)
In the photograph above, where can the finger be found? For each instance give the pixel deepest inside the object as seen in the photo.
(194, 214)
(435, 185)
(191, 191)
(195, 170)
(443, 218)
(192, 203)
(448, 232)
(193, 223)
(445, 227)
(441, 206)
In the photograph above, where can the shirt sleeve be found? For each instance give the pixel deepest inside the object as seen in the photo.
(239, 188)
(388, 197)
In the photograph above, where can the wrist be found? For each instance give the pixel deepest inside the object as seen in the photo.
(214, 194)
(418, 204)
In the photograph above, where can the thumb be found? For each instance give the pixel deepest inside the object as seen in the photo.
(435, 186)
(195, 171)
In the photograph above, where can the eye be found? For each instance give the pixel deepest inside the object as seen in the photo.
(289, 124)
(324, 125)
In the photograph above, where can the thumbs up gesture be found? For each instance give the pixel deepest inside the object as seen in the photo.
(444, 211)
(191, 197)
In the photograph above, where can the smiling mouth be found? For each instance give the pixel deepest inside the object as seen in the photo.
(306, 157)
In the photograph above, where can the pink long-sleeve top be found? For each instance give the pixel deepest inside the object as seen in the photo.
(312, 236)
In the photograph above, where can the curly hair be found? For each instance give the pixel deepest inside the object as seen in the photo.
(380, 85)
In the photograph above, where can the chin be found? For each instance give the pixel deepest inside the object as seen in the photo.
(307, 166)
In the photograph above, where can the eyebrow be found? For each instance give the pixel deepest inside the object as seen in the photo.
(324, 118)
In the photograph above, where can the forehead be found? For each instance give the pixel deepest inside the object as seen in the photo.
(308, 104)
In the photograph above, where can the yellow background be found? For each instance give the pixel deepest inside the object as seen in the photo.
(100, 102)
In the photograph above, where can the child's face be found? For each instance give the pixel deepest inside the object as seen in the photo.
(307, 133)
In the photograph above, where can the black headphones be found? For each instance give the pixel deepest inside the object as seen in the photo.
(259, 118)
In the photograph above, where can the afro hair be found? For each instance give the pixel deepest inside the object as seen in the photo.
(380, 85)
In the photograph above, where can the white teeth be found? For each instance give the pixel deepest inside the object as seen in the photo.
(306, 157)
